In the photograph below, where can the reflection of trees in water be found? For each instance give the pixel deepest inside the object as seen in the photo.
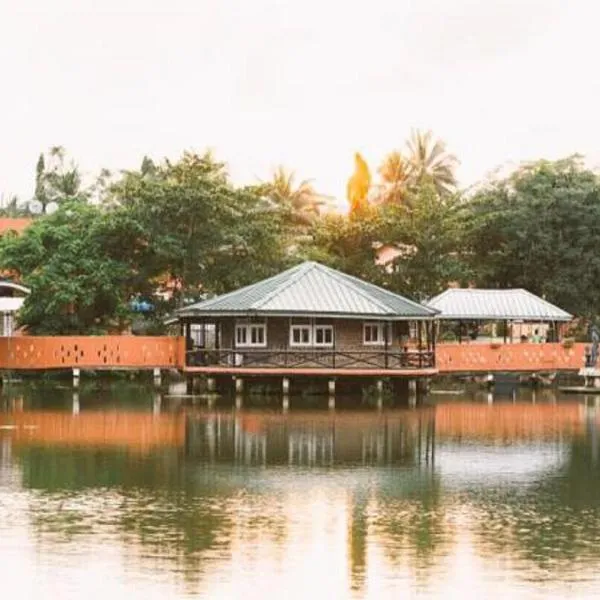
(411, 524)
(164, 509)
(552, 523)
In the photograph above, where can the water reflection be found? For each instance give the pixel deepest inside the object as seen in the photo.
(457, 497)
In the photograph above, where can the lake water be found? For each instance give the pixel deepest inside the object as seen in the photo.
(120, 494)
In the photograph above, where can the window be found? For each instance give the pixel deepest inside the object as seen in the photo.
(323, 335)
(251, 335)
(311, 335)
(197, 335)
(374, 334)
(300, 335)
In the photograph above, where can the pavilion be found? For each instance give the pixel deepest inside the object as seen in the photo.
(521, 312)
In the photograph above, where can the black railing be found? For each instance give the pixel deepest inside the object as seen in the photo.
(310, 358)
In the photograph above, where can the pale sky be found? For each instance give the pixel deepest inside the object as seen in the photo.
(303, 83)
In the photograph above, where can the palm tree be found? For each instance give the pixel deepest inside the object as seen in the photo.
(429, 160)
(302, 201)
(358, 187)
(394, 178)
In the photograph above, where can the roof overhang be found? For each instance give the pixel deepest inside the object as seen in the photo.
(15, 286)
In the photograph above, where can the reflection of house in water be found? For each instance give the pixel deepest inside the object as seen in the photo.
(318, 439)
(395, 438)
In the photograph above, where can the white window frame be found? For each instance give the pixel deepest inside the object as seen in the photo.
(312, 336)
(247, 328)
(381, 331)
(301, 328)
(323, 344)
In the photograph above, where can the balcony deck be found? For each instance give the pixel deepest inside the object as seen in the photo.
(311, 362)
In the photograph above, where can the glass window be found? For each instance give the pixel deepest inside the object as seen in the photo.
(197, 334)
(374, 334)
(323, 335)
(240, 335)
(251, 335)
(257, 335)
(300, 335)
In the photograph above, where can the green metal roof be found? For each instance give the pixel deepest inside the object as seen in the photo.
(311, 289)
(490, 305)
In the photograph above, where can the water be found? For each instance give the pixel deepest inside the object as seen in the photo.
(120, 495)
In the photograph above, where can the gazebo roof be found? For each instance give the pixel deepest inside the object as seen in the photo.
(495, 305)
(311, 290)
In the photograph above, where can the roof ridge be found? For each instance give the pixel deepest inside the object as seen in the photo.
(301, 270)
(344, 277)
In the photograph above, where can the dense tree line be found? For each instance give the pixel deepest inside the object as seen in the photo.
(174, 232)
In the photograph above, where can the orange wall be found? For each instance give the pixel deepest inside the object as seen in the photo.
(40, 352)
(509, 357)
(62, 352)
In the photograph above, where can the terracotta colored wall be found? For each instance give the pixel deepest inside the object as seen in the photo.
(62, 352)
(509, 357)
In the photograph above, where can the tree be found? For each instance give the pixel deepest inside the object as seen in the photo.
(538, 229)
(12, 208)
(348, 244)
(83, 266)
(56, 180)
(427, 232)
(394, 179)
(358, 187)
(428, 160)
(206, 235)
(300, 202)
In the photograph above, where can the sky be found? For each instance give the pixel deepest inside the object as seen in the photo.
(302, 83)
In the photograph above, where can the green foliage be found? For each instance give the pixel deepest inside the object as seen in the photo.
(539, 229)
(12, 208)
(171, 232)
(426, 230)
(56, 180)
(348, 244)
(78, 263)
(206, 236)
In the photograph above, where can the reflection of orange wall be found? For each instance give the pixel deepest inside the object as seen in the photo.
(507, 421)
(452, 420)
(90, 352)
(508, 357)
(137, 431)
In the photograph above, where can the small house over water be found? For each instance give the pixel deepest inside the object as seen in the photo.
(309, 320)
(518, 315)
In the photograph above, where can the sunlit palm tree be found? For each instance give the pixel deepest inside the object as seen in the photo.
(394, 178)
(359, 186)
(429, 160)
(301, 200)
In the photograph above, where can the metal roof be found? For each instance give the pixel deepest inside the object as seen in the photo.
(14, 286)
(311, 289)
(489, 305)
